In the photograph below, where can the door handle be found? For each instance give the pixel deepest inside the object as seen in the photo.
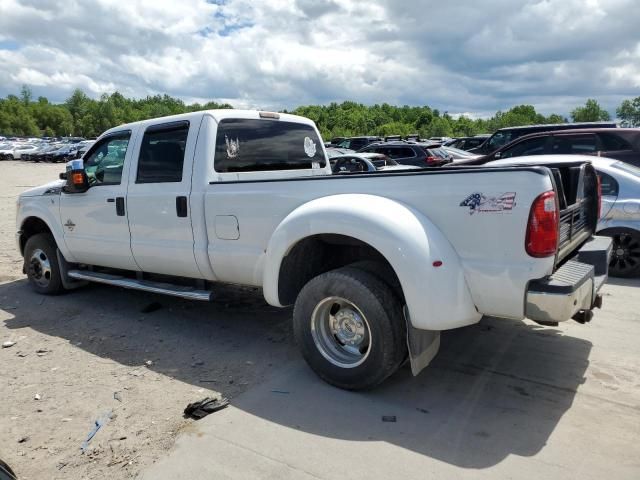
(111, 200)
(120, 206)
(181, 206)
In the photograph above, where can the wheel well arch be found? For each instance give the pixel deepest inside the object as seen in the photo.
(30, 227)
(317, 254)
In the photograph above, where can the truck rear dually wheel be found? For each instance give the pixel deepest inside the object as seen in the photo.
(41, 264)
(350, 328)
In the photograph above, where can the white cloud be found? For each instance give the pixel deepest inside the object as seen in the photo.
(456, 56)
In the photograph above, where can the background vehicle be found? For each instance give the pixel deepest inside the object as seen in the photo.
(356, 143)
(620, 143)
(365, 162)
(467, 143)
(620, 211)
(65, 153)
(457, 154)
(83, 147)
(506, 135)
(45, 154)
(15, 151)
(375, 264)
(336, 152)
(335, 141)
(411, 153)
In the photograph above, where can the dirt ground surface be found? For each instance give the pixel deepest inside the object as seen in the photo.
(503, 399)
(93, 354)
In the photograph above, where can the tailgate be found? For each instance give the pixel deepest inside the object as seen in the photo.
(577, 188)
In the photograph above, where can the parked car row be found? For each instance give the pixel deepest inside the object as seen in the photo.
(44, 149)
(395, 152)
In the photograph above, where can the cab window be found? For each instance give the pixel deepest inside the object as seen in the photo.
(104, 162)
(253, 145)
(162, 153)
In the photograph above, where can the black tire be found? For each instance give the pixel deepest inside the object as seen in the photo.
(625, 256)
(382, 312)
(381, 271)
(41, 264)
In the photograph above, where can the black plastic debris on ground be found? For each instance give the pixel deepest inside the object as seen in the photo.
(205, 407)
(152, 307)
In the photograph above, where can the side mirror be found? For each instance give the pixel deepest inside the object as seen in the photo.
(63, 176)
(76, 177)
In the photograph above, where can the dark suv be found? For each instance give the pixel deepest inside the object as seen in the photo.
(507, 135)
(356, 143)
(622, 144)
(411, 153)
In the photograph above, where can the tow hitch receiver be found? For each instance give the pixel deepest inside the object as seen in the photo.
(584, 316)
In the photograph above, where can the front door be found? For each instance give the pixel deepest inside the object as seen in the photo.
(158, 200)
(95, 222)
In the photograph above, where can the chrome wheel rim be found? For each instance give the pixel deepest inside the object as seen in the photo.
(626, 253)
(341, 332)
(40, 268)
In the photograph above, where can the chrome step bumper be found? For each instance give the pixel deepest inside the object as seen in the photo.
(573, 289)
(144, 285)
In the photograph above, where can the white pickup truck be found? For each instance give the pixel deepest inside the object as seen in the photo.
(376, 263)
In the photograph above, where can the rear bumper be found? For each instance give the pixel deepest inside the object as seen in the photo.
(572, 290)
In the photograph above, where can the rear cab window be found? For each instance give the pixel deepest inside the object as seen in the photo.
(246, 146)
(162, 153)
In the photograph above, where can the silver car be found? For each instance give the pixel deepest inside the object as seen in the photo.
(620, 214)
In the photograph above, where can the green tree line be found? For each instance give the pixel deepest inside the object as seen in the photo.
(80, 115)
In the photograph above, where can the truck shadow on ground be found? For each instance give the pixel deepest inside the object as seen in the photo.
(495, 389)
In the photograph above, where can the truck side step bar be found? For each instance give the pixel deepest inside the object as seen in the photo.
(145, 285)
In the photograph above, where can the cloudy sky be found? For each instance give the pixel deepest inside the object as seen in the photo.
(459, 56)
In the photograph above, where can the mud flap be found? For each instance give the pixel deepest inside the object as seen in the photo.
(423, 345)
(67, 282)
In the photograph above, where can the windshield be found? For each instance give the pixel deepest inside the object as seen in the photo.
(499, 139)
(635, 171)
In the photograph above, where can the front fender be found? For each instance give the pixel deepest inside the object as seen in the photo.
(437, 297)
(46, 208)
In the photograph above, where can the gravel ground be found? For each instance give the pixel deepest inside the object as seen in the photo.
(94, 353)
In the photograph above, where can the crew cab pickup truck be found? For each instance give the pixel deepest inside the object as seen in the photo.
(376, 264)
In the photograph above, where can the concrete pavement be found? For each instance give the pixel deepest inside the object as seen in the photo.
(503, 399)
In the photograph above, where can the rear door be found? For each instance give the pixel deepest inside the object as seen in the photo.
(158, 199)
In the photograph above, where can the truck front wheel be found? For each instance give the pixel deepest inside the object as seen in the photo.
(41, 264)
(350, 328)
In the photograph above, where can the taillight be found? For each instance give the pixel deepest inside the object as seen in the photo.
(543, 227)
(431, 160)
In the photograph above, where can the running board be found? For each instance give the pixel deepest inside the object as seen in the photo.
(145, 285)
